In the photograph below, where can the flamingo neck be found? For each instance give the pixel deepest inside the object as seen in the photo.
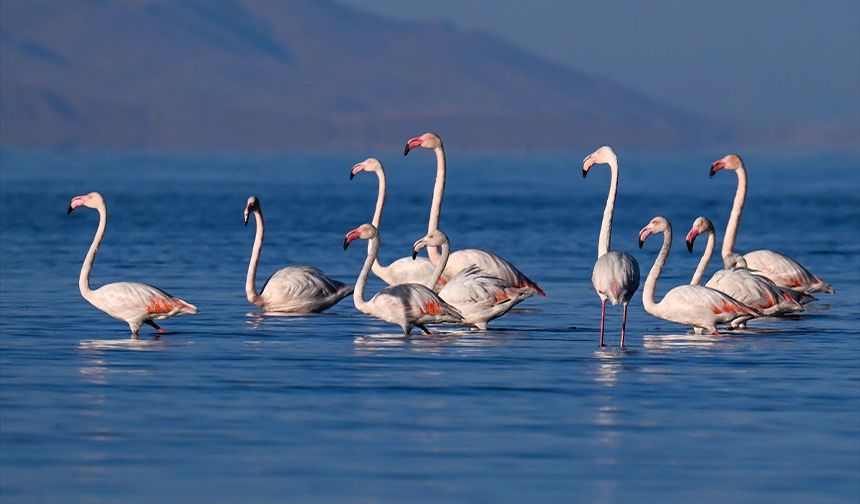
(378, 268)
(440, 265)
(706, 258)
(251, 280)
(358, 292)
(735, 216)
(648, 302)
(603, 243)
(436, 206)
(84, 279)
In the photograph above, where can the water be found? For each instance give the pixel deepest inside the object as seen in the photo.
(234, 407)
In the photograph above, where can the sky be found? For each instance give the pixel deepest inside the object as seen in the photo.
(767, 61)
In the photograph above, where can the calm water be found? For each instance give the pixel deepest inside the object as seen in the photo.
(234, 407)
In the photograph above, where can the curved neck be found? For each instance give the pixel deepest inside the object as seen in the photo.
(436, 205)
(603, 243)
(358, 292)
(735, 216)
(84, 279)
(648, 301)
(251, 280)
(440, 265)
(706, 258)
(378, 269)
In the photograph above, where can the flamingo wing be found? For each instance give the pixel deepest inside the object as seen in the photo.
(491, 264)
(785, 272)
(407, 270)
(415, 303)
(702, 306)
(753, 290)
(616, 276)
(302, 288)
(134, 301)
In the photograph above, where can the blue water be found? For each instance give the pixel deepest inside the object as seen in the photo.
(235, 407)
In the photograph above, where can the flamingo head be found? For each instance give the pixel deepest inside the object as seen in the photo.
(730, 162)
(603, 155)
(427, 140)
(700, 225)
(91, 200)
(253, 205)
(657, 225)
(368, 165)
(734, 260)
(364, 231)
(434, 238)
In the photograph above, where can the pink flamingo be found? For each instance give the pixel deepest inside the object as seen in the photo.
(403, 270)
(693, 305)
(294, 289)
(132, 302)
(781, 269)
(407, 305)
(740, 283)
(616, 274)
(477, 295)
(461, 259)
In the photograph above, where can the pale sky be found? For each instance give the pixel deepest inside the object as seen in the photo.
(768, 61)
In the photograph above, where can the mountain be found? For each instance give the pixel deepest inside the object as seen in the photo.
(300, 74)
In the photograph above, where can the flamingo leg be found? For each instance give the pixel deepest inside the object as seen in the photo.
(715, 332)
(156, 326)
(423, 328)
(602, 317)
(623, 325)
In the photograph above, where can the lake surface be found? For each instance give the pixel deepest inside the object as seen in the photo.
(231, 406)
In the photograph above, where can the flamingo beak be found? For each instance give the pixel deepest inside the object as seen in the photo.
(350, 237)
(643, 235)
(691, 238)
(247, 216)
(411, 144)
(420, 244)
(717, 166)
(356, 169)
(586, 164)
(75, 203)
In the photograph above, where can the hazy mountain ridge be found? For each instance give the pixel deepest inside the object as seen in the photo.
(306, 74)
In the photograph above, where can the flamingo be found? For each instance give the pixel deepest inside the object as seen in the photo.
(738, 282)
(294, 289)
(407, 305)
(132, 302)
(461, 259)
(403, 270)
(616, 274)
(781, 269)
(477, 295)
(694, 305)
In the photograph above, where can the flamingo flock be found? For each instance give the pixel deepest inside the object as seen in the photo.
(472, 287)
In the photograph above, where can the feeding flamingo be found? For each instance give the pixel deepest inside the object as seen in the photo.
(616, 274)
(461, 259)
(693, 305)
(132, 302)
(740, 283)
(477, 295)
(407, 305)
(781, 269)
(294, 289)
(405, 269)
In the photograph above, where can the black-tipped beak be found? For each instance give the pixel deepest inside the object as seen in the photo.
(345, 243)
(689, 246)
(641, 243)
(351, 175)
(711, 174)
(414, 254)
(406, 150)
(70, 210)
(246, 217)
(584, 173)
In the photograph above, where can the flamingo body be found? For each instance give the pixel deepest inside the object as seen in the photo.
(404, 270)
(490, 264)
(615, 277)
(481, 297)
(786, 272)
(301, 289)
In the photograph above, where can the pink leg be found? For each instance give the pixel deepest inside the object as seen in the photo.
(715, 332)
(602, 317)
(623, 325)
